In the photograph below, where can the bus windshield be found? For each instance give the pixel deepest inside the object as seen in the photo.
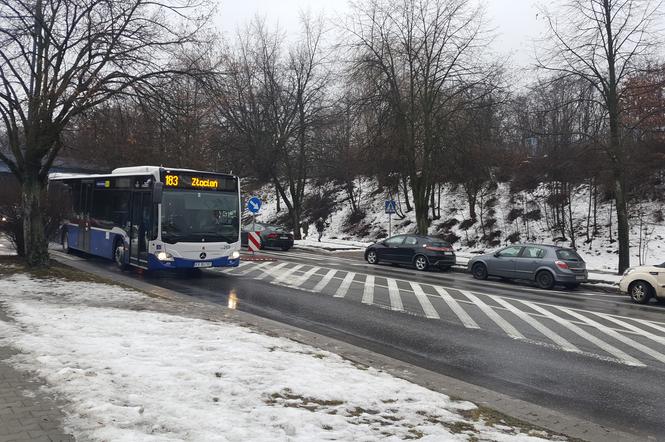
(197, 216)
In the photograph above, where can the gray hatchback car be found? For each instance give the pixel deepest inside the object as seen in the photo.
(547, 265)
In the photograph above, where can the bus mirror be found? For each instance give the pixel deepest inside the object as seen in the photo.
(157, 192)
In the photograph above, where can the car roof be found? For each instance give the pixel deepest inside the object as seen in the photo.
(548, 246)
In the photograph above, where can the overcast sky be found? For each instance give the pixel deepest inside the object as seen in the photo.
(514, 21)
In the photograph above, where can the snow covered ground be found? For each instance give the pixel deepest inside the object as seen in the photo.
(600, 253)
(5, 247)
(130, 374)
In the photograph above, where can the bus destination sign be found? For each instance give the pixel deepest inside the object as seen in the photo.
(184, 181)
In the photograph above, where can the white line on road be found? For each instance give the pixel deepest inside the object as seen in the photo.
(324, 281)
(463, 316)
(533, 322)
(284, 276)
(618, 336)
(393, 291)
(344, 286)
(622, 356)
(269, 272)
(303, 279)
(494, 316)
(636, 329)
(427, 306)
(368, 291)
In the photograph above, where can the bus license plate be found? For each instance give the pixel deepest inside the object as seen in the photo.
(202, 264)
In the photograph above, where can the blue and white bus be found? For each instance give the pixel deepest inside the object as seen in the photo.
(154, 217)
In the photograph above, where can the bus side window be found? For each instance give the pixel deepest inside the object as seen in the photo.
(120, 209)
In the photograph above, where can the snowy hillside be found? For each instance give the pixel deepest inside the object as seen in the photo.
(599, 252)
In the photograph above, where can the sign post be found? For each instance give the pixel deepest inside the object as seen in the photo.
(390, 208)
(253, 205)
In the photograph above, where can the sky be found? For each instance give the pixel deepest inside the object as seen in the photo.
(514, 21)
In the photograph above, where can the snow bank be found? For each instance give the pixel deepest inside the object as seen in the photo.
(140, 375)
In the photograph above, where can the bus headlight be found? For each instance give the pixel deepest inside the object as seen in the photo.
(163, 256)
(235, 254)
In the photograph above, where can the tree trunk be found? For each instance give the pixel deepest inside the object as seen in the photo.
(405, 189)
(420, 201)
(622, 221)
(35, 242)
(279, 206)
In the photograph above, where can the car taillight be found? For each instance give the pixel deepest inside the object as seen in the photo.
(272, 235)
(562, 265)
(438, 249)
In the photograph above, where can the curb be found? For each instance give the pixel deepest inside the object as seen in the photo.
(532, 414)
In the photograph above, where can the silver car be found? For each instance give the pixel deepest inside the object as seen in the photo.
(547, 265)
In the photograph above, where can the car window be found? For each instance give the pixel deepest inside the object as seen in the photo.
(533, 252)
(568, 255)
(510, 252)
(411, 241)
(395, 241)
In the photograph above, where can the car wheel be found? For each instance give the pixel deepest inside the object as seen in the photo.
(421, 263)
(65, 243)
(371, 257)
(640, 292)
(545, 280)
(572, 285)
(119, 254)
(479, 271)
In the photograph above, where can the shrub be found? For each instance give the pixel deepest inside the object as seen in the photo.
(513, 237)
(533, 215)
(448, 224)
(514, 214)
(467, 224)
(450, 237)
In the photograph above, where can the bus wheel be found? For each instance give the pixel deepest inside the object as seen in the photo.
(119, 254)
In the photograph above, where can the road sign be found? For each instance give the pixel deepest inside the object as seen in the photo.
(254, 241)
(391, 207)
(254, 204)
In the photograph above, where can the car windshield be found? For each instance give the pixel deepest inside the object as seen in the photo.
(660, 265)
(568, 255)
(196, 216)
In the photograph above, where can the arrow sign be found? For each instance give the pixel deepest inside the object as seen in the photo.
(254, 204)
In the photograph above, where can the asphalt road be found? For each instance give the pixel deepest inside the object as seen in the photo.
(594, 355)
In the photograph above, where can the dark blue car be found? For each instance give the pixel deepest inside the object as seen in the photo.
(421, 252)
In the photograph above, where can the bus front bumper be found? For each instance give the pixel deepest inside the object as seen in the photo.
(183, 263)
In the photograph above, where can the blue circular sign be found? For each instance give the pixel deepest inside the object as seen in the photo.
(254, 204)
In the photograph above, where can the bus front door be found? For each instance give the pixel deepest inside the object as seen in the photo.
(141, 217)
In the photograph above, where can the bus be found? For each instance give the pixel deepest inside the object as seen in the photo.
(153, 218)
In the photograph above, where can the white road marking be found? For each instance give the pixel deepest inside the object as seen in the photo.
(427, 306)
(248, 269)
(618, 336)
(622, 356)
(344, 286)
(368, 291)
(284, 276)
(393, 291)
(324, 281)
(463, 316)
(649, 324)
(533, 322)
(494, 316)
(305, 277)
(271, 271)
(640, 331)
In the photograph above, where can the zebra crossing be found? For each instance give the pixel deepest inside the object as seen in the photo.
(631, 341)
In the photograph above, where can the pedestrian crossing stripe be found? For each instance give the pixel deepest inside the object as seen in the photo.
(298, 275)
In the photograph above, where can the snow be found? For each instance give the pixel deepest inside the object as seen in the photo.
(129, 373)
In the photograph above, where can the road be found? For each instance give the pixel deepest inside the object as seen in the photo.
(594, 355)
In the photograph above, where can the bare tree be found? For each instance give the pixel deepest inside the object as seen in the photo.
(273, 100)
(603, 42)
(59, 58)
(419, 55)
